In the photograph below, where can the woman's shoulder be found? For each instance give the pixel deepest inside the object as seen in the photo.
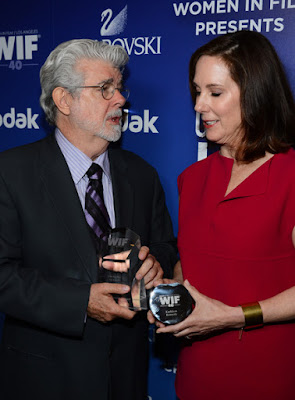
(286, 162)
(197, 171)
(199, 166)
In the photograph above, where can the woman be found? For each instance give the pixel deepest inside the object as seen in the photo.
(236, 228)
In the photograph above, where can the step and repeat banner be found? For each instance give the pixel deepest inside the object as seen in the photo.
(161, 125)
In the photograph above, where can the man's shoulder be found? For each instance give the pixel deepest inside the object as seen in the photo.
(24, 154)
(26, 148)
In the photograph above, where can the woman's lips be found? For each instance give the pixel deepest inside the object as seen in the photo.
(209, 123)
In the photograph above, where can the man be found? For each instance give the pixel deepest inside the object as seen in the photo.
(64, 336)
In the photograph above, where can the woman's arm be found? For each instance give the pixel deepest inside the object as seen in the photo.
(279, 308)
(211, 315)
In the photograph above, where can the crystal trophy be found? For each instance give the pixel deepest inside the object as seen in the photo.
(119, 263)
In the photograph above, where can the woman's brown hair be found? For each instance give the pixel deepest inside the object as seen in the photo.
(267, 103)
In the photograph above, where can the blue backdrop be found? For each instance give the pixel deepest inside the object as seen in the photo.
(159, 36)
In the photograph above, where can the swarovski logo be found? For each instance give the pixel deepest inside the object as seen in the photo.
(138, 46)
(113, 26)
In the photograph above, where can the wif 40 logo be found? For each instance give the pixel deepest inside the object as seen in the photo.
(17, 49)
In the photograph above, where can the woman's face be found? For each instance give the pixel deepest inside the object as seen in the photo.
(218, 101)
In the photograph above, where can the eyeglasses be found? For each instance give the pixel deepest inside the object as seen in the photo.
(107, 90)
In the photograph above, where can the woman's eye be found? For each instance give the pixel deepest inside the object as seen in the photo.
(215, 94)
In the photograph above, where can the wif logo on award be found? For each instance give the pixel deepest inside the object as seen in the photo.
(170, 301)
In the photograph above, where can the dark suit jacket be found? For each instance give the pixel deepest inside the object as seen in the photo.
(47, 264)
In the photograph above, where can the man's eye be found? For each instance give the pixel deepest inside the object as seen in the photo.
(106, 87)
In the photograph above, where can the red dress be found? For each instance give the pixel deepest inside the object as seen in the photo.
(238, 249)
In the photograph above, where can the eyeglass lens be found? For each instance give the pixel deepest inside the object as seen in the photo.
(108, 91)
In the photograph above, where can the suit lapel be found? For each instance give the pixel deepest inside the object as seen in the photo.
(122, 189)
(61, 189)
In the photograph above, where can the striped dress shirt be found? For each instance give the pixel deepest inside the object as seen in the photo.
(79, 164)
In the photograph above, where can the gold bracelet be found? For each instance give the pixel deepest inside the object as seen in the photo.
(253, 315)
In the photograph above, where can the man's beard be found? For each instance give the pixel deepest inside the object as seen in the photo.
(114, 131)
(111, 136)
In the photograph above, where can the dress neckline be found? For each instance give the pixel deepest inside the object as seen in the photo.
(248, 186)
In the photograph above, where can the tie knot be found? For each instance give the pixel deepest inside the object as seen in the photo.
(94, 172)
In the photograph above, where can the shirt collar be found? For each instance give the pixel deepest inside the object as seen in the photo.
(77, 161)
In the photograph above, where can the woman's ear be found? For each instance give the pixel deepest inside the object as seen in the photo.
(61, 99)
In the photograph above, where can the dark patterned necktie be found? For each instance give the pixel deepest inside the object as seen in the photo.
(95, 210)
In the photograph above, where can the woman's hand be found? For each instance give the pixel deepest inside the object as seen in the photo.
(208, 316)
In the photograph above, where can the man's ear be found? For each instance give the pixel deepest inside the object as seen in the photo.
(61, 98)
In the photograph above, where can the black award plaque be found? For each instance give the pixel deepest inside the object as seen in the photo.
(171, 303)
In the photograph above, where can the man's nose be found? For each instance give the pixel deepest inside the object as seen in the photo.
(118, 98)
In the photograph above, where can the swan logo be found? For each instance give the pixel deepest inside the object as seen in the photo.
(113, 26)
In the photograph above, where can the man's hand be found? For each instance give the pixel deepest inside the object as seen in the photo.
(150, 270)
(103, 307)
